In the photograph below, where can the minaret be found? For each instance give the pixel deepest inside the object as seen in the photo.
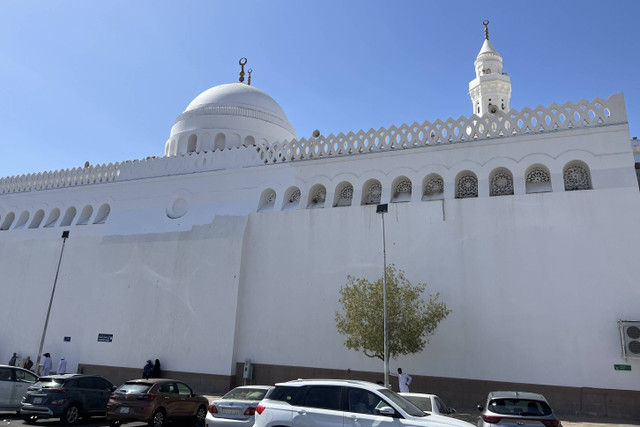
(490, 91)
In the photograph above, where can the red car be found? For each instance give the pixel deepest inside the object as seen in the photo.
(155, 401)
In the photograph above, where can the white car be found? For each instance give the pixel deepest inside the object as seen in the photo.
(14, 382)
(429, 403)
(342, 403)
(236, 408)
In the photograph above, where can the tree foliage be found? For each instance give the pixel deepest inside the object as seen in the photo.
(411, 320)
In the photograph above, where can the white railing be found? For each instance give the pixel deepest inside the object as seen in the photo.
(583, 114)
(553, 118)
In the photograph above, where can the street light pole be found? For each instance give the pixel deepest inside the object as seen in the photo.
(65, 236)
(382, 209)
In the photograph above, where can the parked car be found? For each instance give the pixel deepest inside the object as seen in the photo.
(517, 409)
(68, 397)
(345, 403)
(13, 386)
(155, 401)
(237, 408)
(429, 403)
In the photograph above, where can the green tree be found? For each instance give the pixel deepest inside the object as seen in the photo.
(411, 320)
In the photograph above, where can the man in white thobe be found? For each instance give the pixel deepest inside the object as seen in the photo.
(403, 381)
(62, 366)
(46, 366)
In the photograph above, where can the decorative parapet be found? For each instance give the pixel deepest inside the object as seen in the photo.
(583, 114)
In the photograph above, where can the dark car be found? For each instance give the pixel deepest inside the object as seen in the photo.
(67, 397)
(155, 401)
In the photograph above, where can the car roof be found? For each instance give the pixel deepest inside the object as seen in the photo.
(152, 380)
(417, 394)
(516, 395)
(319, 381)
(264, 387)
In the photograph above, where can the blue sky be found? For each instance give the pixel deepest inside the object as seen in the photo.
(104, 81)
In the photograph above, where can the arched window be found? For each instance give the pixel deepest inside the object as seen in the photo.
(191, 145)
(317, 196)
(8, 220)
(24, 217)
(291, 198)
(344, 194)
(103, 213)
(249, 141)
(538, 179)
(433, 187)
(501, 181)
(466, 185)
(401, 190)
(371, 192)
(68, 217)
(53, 218)
(267, 200)
(576, 177)
(37, 219)
(85, 216)
(220, 142)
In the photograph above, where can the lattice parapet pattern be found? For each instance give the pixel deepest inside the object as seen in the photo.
(583, 114)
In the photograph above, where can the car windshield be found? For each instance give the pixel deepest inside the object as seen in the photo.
(525, 407)
(403, 403)
(129, 388)
(246, 394)
(421, 402)
(48, 382)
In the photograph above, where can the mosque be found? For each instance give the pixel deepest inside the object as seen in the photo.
(224, 257)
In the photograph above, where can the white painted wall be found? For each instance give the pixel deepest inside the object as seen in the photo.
(185, 269)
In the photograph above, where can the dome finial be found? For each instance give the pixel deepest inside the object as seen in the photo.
(249, 81)
(242, 62)
(486, 29)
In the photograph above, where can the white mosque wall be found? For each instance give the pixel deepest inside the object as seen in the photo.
(536, 284)
(186, 270)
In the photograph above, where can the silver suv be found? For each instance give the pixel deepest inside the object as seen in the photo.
(342, 403)
(517, 409)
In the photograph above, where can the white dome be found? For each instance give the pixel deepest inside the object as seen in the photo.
(237, 111)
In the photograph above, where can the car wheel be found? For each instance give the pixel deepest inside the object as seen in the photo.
(201, 415)
(70, 415)
(30, 419)
(114, 423)
(158, 419)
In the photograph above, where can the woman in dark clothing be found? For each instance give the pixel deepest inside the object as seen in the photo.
(146, 371)
(155, 372)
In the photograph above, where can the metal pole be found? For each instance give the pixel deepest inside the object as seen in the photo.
(386, 326)
(65, 235)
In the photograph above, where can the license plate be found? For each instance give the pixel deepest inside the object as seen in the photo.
(37, 400)
(124, 410)
(231, 411)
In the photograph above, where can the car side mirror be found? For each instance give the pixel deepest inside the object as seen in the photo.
(387, 410)
(452, 411)
(480, 408)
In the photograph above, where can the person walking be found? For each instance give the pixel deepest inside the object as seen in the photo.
(46, 366)
(146, 371)
(62, 366)
(403, 381)
(12, 361)
(155, 372)
(28, 363)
